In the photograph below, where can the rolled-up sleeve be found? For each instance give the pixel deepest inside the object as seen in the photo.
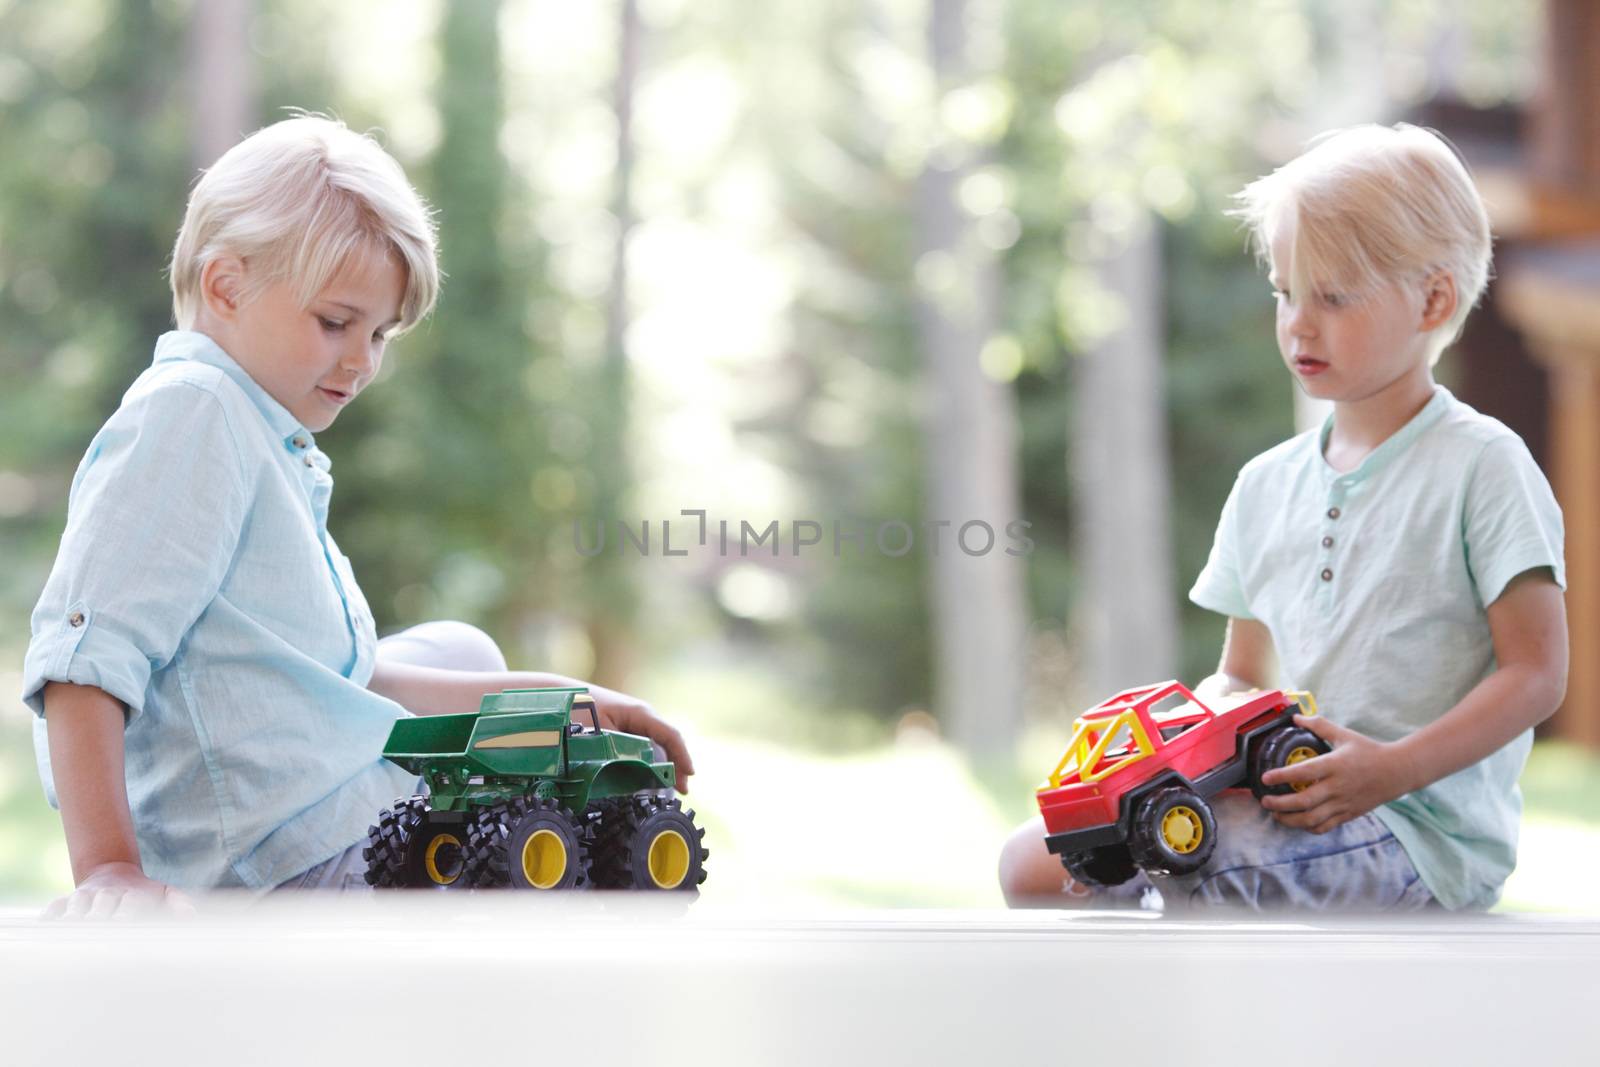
(153, 523)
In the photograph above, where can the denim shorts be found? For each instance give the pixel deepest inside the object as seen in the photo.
(1263, 865)
(346, 870)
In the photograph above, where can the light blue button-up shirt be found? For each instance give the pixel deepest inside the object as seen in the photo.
(1374, 584)
(197, 583)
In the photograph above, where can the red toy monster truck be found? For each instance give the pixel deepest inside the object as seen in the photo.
(1131, 790)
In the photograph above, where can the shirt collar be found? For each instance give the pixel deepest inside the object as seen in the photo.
(1397, 442)
(190, 345)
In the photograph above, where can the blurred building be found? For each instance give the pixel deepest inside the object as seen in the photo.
(1531, 355)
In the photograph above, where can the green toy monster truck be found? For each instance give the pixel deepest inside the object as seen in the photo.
(530, 792)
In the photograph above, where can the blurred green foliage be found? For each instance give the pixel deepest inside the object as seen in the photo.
(435, 501)
(500, 421)
(495, 427)
(91, 182)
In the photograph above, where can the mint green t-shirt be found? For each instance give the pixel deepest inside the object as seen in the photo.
(1374, 585)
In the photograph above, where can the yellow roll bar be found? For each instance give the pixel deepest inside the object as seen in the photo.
(1307, 702)
(1090, 738)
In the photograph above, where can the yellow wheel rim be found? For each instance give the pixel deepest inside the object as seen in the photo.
(1182, 829)
(1299, 754)
(544, 859)
(668, 860)
(430, 860)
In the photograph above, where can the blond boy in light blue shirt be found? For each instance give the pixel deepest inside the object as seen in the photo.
(1403, 560)
(212, 695)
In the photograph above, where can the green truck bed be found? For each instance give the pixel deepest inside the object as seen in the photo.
(517, 732)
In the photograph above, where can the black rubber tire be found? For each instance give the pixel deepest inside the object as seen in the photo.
(499, 833)
(1272, 750)
(485, 828)
(1101, 868)
(388, 843)
(648, 842)
(1151, 849)
(607, 824)
(449, 863)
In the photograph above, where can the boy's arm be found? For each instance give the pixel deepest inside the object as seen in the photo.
(1528, 625)
(436, 691)
(1247, 660)
(85, 727)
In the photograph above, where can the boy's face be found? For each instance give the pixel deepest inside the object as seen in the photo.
(315, 360)
(1348, 349)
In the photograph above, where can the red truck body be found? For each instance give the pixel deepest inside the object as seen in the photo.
(1145, 735)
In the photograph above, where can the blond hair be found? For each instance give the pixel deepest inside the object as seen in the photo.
(295, 201)
(1372, 205)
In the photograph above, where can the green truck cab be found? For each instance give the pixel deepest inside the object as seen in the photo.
(531, 792)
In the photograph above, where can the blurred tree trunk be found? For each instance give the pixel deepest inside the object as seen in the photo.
(1351, 36)
(1128, 612)
(469, 377)
(221, 78)
(979, 601)
(614, 604)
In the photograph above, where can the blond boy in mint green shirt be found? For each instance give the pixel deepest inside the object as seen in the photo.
(1403, 562)
(1374, 584)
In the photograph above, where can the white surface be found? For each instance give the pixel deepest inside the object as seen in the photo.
(503, 979)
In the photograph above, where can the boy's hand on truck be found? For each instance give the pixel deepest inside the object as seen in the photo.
(1357, 776)
(619, 711)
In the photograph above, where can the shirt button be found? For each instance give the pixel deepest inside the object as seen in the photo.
(1333, 513)
(1327, 575)
(75, 619)
(1327, 542)
(300, 441)
(309, 461)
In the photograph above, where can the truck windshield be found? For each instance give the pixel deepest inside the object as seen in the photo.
(586, 707)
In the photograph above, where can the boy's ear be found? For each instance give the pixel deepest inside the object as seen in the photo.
(222, 286)
(1438, 299)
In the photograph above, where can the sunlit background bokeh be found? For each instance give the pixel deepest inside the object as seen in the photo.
(831, 262)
